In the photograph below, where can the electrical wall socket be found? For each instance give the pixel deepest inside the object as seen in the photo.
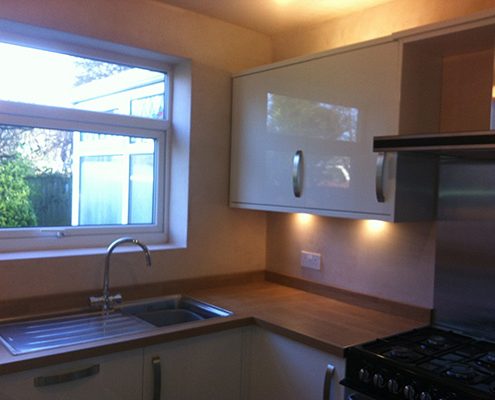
(310, 260)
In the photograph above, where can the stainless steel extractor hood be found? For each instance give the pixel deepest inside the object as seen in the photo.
(479, 144)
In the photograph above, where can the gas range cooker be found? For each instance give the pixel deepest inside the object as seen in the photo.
(424, 364)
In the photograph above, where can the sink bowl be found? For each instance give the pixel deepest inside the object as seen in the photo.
(173, 310)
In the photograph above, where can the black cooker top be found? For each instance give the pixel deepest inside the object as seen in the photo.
(423, 364)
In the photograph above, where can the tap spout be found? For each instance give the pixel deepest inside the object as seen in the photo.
(107, 301)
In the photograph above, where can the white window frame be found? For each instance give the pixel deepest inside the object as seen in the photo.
(21, 114)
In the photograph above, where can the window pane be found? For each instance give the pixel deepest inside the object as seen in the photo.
(42, 77)
(101, 189)
(141, 189)
(52, 178)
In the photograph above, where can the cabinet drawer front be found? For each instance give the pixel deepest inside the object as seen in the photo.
(116, 376)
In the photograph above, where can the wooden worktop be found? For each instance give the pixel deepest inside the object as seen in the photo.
(319, 321)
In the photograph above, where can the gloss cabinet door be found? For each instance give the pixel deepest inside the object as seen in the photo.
(326, 109)
(199, 368)
(281, 368)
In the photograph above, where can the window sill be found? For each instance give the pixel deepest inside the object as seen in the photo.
(57, 253)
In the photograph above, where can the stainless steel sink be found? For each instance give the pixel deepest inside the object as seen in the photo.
(173, 310)
(50, 333)
(30, 336)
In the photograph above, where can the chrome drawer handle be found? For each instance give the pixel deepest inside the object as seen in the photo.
(297, 165)
(41, 381)
(380, 176)
(327, 385)
(157, 377)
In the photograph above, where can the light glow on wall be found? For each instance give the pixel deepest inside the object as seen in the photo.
(374, 226)
(303, 218)
(331, 9)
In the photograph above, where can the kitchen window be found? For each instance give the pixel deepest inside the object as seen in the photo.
(83, 146)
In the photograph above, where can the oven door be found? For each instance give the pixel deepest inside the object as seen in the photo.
(352, 395)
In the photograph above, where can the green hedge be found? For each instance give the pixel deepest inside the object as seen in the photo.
(16, 209)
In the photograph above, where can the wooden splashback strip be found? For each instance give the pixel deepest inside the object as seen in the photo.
(362, 300)
(27, 307)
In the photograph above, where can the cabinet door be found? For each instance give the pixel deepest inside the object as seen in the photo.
(113, 377)
(280, 368)
(262, 152)
(329, 108)
(200, 368)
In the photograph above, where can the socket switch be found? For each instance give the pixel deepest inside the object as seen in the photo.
(310, 260)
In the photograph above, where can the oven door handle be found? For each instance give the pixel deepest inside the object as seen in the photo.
(327, 384)
(357, 396)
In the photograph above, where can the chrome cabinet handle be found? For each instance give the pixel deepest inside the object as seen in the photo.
(380, 176)
(327, 384)
(297, 165)
(41, 381)
(157, 377)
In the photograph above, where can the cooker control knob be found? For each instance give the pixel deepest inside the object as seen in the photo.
(378, 381)
(409, 392)
(393, 386)
(364, 375)
(425, 396)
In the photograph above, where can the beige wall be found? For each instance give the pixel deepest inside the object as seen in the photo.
(391, 261)
(148, 24)
(396, 263)
(221, 240)
(372, 23)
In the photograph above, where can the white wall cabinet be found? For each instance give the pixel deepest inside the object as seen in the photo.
(112, 377)
(200, 368)
(310, 123)
(280, 368)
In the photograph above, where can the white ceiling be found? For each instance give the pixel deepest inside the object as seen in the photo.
(274, 16)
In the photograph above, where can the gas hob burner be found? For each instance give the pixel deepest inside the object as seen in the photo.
(436, 340)
(402, 353)
(489, 357)
(461, 372)
(398, 350)
(487, 362)
(433, 344)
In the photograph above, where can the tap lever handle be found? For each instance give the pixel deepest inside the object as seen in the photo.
(115, 299)
(96, 301)
(100, 302)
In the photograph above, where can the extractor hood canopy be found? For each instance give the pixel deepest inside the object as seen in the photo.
(480, 144)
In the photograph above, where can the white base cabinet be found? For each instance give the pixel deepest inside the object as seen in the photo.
(206, 367)
(280, 368)
(237, 364)
(111, 377)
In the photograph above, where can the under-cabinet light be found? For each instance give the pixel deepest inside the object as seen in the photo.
(304, 218)
(375, 226)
